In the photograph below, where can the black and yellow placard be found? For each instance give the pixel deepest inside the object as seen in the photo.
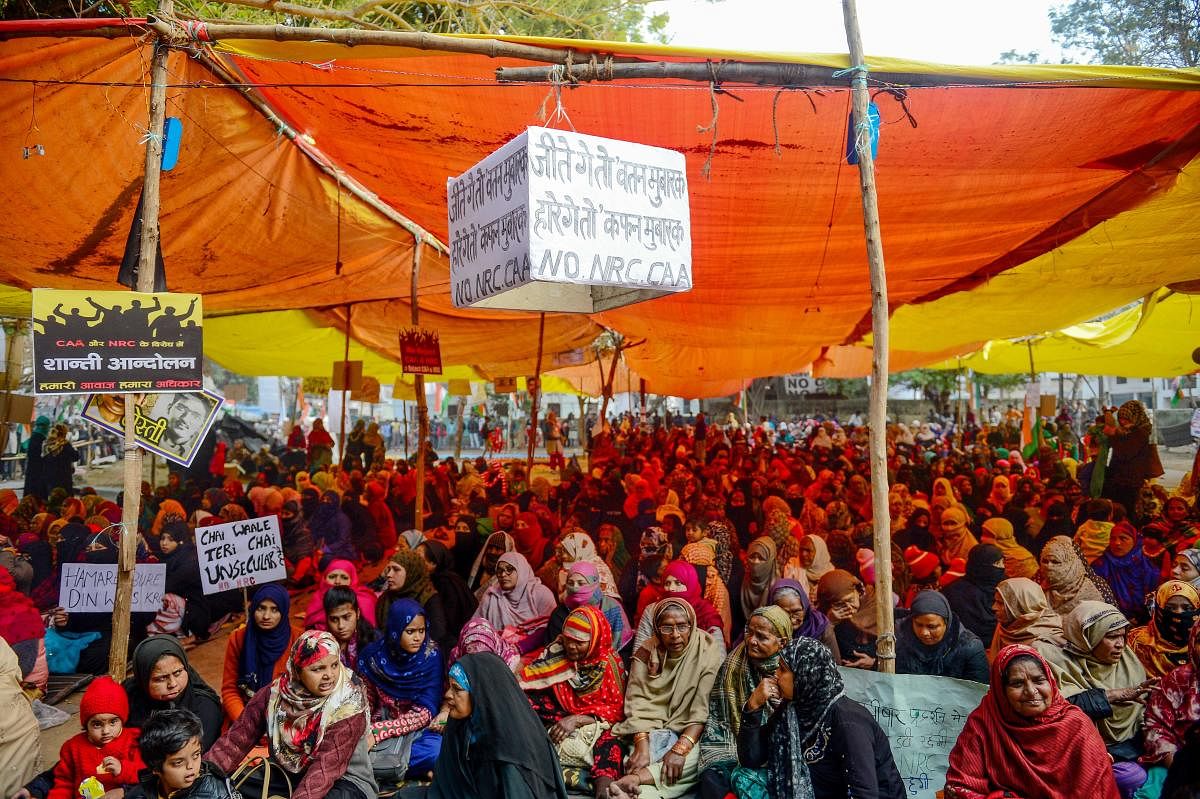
(116, 341)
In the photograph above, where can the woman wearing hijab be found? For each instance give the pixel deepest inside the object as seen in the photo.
(578, 547)
(761, 573)
(516, 603)
(163, 679)
(666, 704)
(329, 527)
(972, 597)
(702, 556)
(815, 742)
(1015, 742)
(839, 597)
(255, 650)
(403, 674)
(1024, 616)
(58, 461)
(681, 581)
(1173, 708)
(314, 717)
(457, 600)
(531, 541)
(653, 554)
(916, 531)
(754, 659)
(1162, 645)
(186, 608)
(343, 573)
(494, 746)
(1101, 676)
(807, 621)
(479, 636)
(583, 589)
(1018, 561)
(957, 541)
(933, 641)
(1068, 579)
(577, 687)
(1134, 458)
(407, 576)
(1125, 567)
(483, 571)
(22, 628)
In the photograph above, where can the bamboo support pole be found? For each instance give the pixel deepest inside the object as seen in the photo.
(422, 403)
(345, 387)
(118, 652)
(458, 428)
(879, 360)
(535, 399)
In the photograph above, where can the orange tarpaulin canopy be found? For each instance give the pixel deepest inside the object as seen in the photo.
(991, 182)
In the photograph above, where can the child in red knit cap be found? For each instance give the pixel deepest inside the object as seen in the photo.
(106, 749)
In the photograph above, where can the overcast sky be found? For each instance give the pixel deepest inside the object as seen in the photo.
(946, 31)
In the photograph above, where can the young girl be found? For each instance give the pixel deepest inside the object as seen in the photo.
(106, 749)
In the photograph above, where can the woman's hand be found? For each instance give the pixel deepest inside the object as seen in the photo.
(563, 729)
(22, 794)
(764, 692)
(672, 768)
(1135, 693)
(639, 758)
(862, 661)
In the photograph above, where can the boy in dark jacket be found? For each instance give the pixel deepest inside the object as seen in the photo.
(170, 746)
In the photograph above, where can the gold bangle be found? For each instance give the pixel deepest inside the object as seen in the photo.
(689, 739)
(641, 736)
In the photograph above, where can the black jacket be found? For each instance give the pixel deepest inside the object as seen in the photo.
(211, 784)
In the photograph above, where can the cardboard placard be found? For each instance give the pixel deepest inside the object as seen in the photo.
(92, 587)
(420, 351)
(347, 376)
(19, 407)
(368, 391)
(404, 391)
(89, 341)
(171, 425)
(316, 385)
(504, 385)
(459, 388)
(240, 554)
(1048, 408)
(561, 221)
(235, 392)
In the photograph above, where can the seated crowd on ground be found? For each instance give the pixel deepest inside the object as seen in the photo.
(669, 622)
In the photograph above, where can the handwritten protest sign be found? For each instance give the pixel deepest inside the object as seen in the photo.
(92, 587)
(88, 341)
(560, 221)
(922, 717)
(240, 554)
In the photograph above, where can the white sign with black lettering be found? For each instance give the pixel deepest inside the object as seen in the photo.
(240, 554)
(92, 587)
(561, 221)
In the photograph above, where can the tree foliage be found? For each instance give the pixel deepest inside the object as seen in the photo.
(938, 385)
(1159, 33)
(617, 20)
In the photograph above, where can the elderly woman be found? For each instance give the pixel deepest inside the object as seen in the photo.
(577, 687)
(314, 717)
(1162, 645)
(494, 745)
(806, 620)
(1024, 616)
(934, 642)
(666, 705)
(1026, 740)
(516, 603)
(813, 740)
(748, 664)
(1101, 676)
(403, 675)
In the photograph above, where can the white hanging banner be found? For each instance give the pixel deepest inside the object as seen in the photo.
(562, 221)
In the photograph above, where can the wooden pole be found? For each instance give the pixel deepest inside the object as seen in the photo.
(458, 433)
(147, 260)
(535, 399)
(879, 360)
(345, 387)
(422, 404)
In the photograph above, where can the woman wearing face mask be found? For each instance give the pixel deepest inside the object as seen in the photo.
(1016, 742)
(577, 687)
(810, 738)
(403, 675)
(583, 589)
(761, 572)
(494, 746)
(1162, 645)
(933, 641)
(666, 705)
(971, 597)
(1101, 676)
(254, 654)
(314, 717)
(1069, 579)
(1173, 709)
(756, 658)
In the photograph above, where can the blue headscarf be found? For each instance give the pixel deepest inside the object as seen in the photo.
(415, 677)
(1131, 577)
(815, 622)
(262, 649)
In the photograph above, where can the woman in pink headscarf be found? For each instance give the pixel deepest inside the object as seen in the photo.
(342, 573)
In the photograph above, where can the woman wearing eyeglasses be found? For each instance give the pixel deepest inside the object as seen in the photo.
(517, 604)
(666, 705)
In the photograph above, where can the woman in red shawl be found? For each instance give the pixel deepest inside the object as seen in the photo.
(531, 542)
(21, 626)
(680, 580)
(577, 687)
(1025, 740)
